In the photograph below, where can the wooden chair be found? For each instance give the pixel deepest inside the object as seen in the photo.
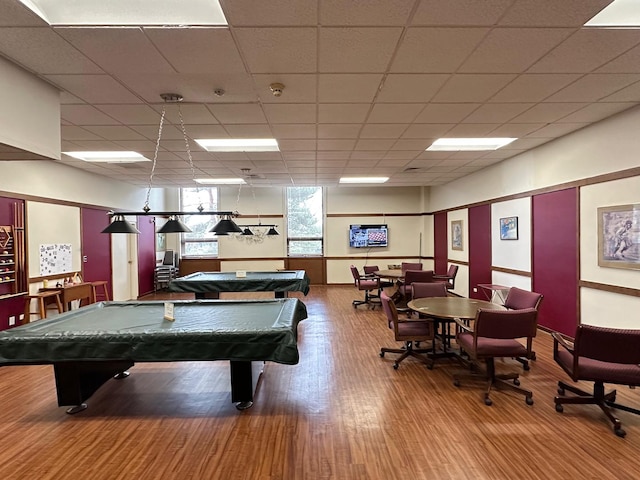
(367, 285)
(409, 332)
(495, 334)
(43, 299)
(599, 355)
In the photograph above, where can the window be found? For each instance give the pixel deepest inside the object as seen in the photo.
(305, 213)
(200, 242)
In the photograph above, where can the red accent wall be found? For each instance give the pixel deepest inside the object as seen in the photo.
(13, 306)
(440, 249)
(146, 255)
(555, 258)
(96, 248)
(479, 249)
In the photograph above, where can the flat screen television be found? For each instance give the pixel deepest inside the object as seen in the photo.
(365, 236)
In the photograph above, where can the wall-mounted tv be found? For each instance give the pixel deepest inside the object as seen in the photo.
(364, 236)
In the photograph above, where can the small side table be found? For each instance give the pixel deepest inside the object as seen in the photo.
(105, 290)
(494, 293)
(42, 297)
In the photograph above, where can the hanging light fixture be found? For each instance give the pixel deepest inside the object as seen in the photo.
(260, 228)
(174, 225)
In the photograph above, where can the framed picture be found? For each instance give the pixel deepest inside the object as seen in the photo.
(619, 236)
(161, 242)
(456, 235)
(509, 228)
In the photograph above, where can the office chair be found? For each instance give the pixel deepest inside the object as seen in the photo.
(600, 355)
(410, 266)
(411, 276)
(518, 299)
(495, 334)
(409, 332)
(369, 271)
(449, 278)
(366, 284)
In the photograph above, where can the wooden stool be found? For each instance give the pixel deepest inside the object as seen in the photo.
(103, 284)
(42, 307)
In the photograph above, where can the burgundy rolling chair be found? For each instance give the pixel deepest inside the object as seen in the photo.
(599, 355)
(408, 331)
(495, 334)
(369, 271)
(410, 266)
(518, 299)
(449, 278)
(368, 285)
(412, 276)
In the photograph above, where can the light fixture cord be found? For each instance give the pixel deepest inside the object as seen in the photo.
(155, 159)
(186, 143)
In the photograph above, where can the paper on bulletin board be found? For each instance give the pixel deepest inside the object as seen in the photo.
(55, 259)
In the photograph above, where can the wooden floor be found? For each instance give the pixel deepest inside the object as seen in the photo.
(341, 413)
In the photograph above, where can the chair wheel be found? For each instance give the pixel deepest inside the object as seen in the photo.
(529, 400)
(381, 354)
(619, 432)
(559, 408)
(526, 367)
(430, 367)
(488, 402)
(456, 382)
(516, 382)
(561, 391)
(395, 366)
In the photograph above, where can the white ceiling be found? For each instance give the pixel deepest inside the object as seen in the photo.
(368, 85)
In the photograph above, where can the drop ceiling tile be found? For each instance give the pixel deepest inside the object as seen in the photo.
(290, 113)
(516, 130)
(472, 88)
(249, 131)
(71, 133)
(264, 156)
(375, 144)
(339, 130)
(548, 112)
(85, 115)
(136, 53)
(409, 144)
(394, 112)
(497, 112)
(298, 88)
(405, 88)
(512, 50)
(362, 154)
(274, 12)
(596, 112)
(448, 48)
(403, 154)
(427, 130)
(197, 49)
(628, 94)
(342, 113)
(628, 62)
(445, 112)
(42, 50)
(294, 130)
(301, 164)
(383, 130)
(132, 114)
(115, 132)
(586, 50)
(460, 12)
(568, 13)
(591, 88)
(348, 88)
(556, 130)
(371, 12)
(97, 145)
(298, 156)
(94, 88)
(533, 87)
(333, 158)
(525, 144)
(194, 131)
(287, 50)
(472, 130)
(295, 145)
(238, 113)
(334, 57)
(335, 144)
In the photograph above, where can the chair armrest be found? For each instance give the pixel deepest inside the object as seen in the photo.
(463, 326)
(443, 277)
(560, 339)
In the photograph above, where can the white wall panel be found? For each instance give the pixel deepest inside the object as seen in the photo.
(513, 254)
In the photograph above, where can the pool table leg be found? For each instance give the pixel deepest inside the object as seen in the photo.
(244, 381)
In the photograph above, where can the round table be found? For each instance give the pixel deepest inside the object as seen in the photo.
(444, 310)
(396, 274)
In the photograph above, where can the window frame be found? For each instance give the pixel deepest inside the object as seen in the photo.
(309, 239)
(183, 237)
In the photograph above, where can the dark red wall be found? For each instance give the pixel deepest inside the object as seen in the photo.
(96, 248)
(13, 306)
(146, 255)
(479, 249)
(555, 258)
(440, 250)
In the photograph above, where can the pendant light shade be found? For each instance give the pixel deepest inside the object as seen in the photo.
(247, 231)
(272, 231)
(174, 225)
(226, 226)
(120, 225)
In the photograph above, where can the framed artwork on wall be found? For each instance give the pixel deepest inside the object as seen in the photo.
(619, 236)
(161, 242)
(509, 228)
(456, 235)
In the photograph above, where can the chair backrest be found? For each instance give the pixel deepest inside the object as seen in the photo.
(390, 310)
(611, 345)
(424, 276)
(368, 269)
(453, 271)
(428, 289)
(355, 273)
(169, 258)
(410, 266)
(506, 324)
(517, 299)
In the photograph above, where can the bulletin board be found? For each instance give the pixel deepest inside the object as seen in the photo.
(56, 227)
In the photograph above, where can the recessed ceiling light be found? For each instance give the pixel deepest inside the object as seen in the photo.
(364, 179)
(239, 144)
(220, 181)
(108, 157)
(469, 144)
(619, 13)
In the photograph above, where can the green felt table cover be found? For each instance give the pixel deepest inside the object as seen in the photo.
(203, 282)
(202, 330)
